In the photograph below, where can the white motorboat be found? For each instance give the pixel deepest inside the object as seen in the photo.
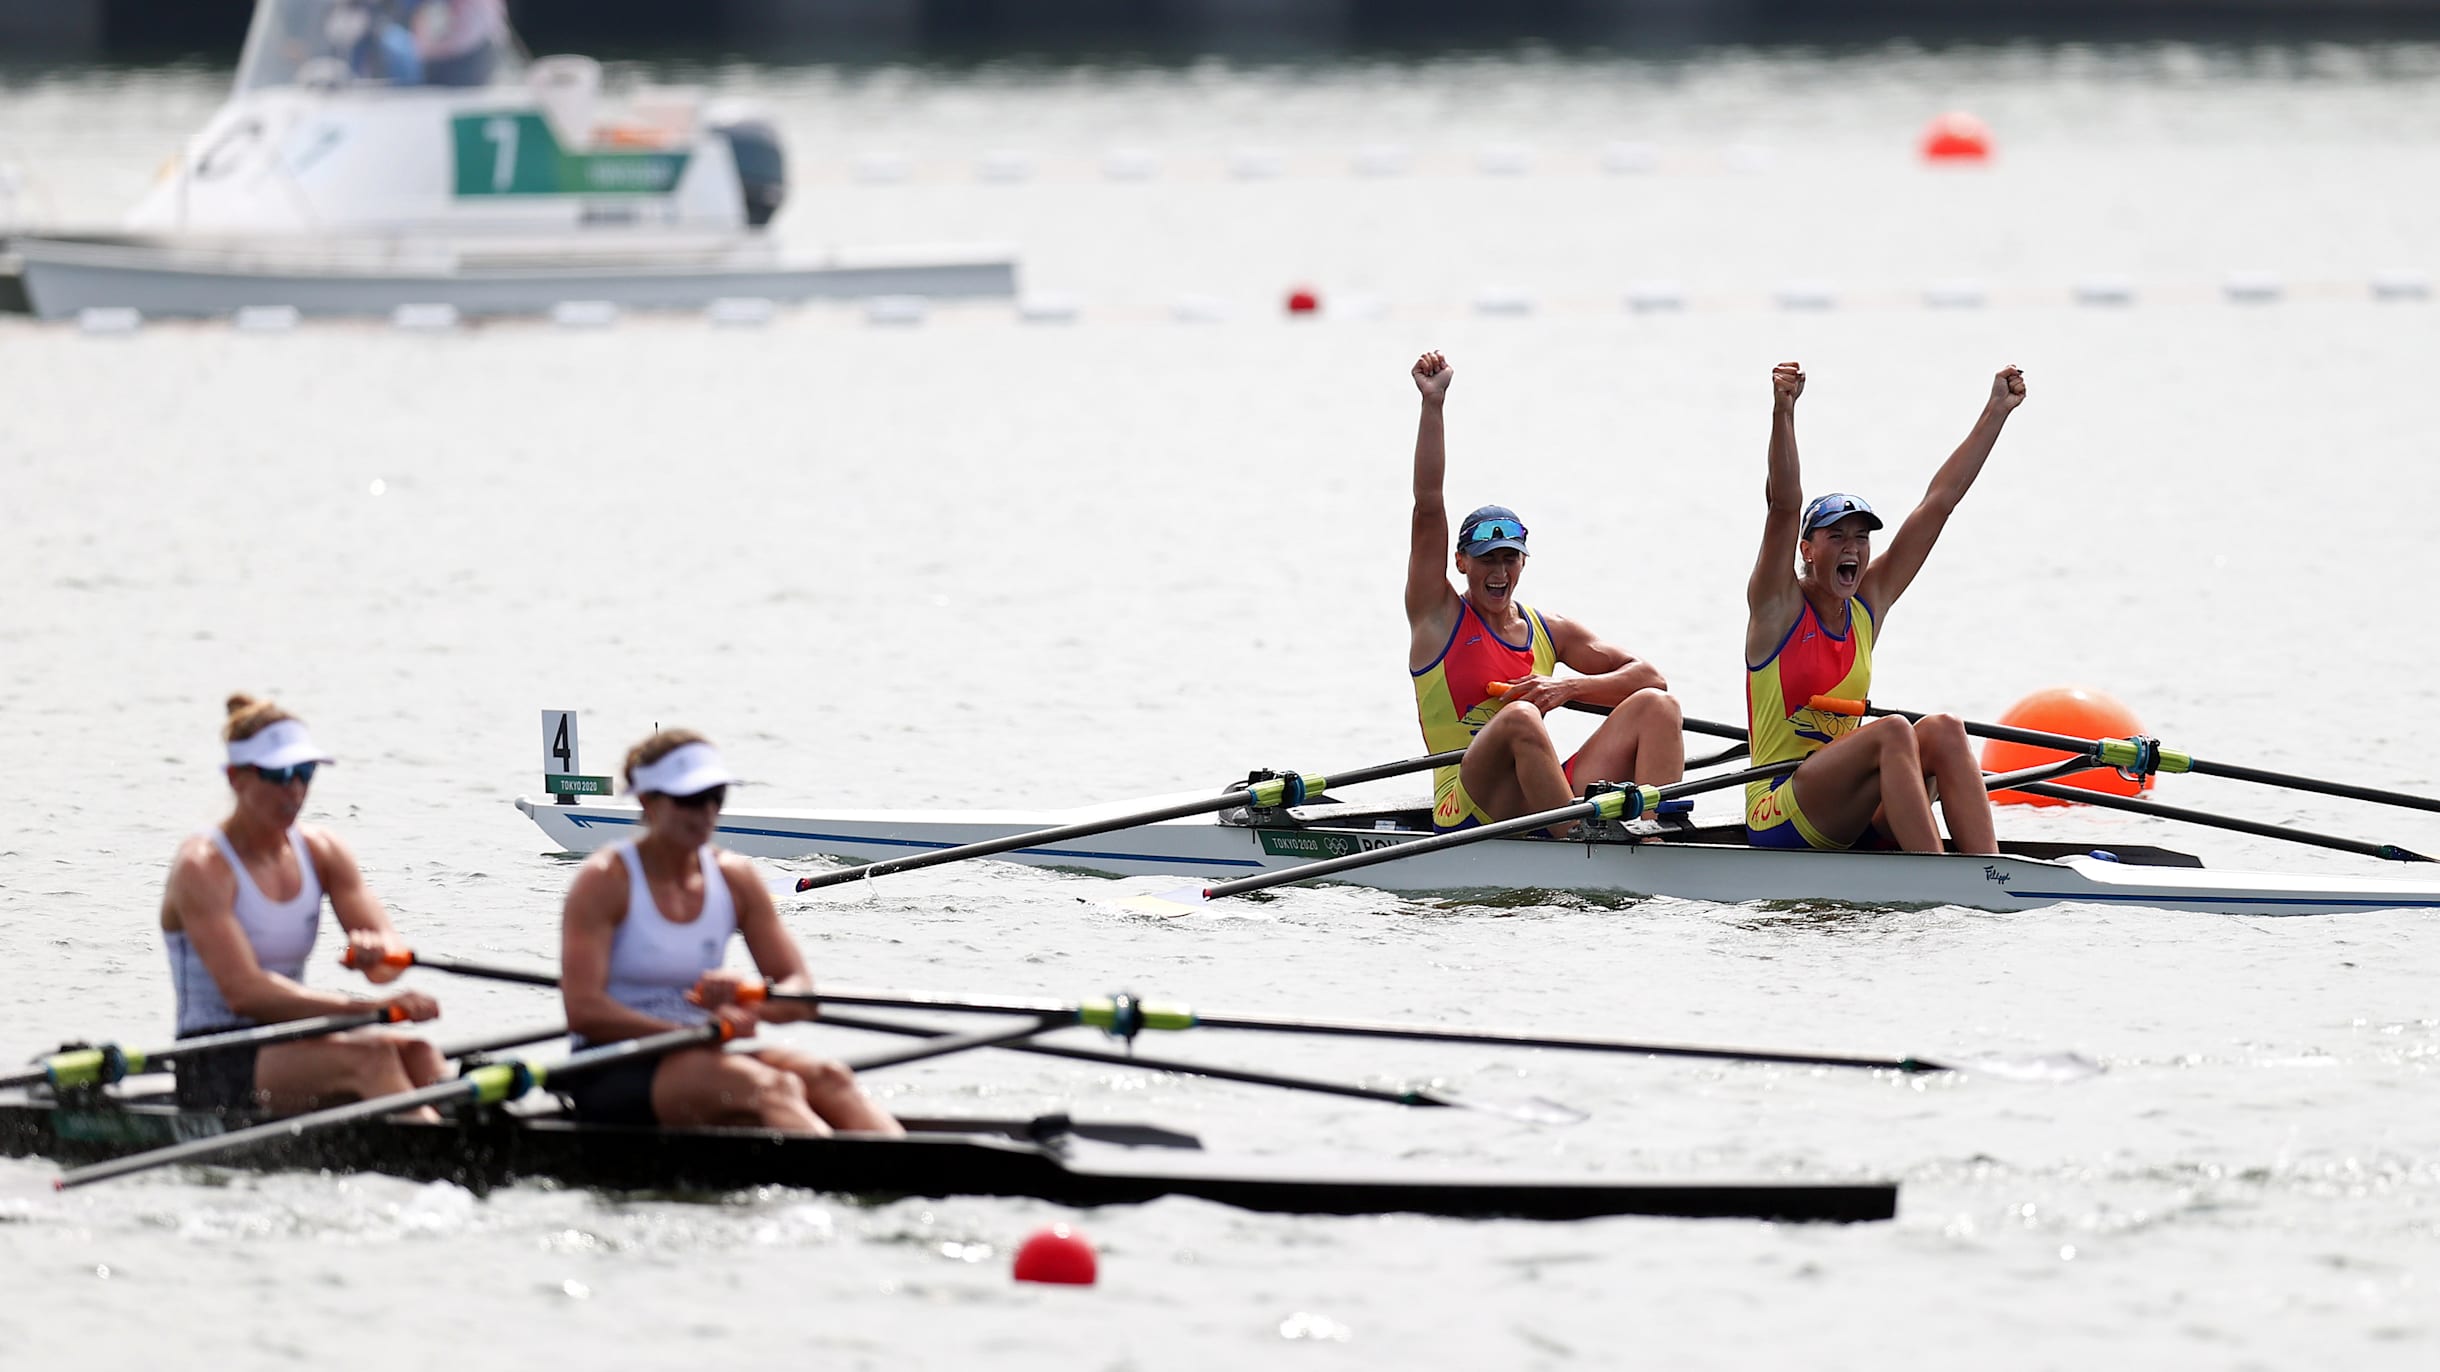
(375, 155)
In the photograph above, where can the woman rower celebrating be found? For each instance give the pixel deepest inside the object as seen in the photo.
(642, 940)
(1474, 655)
(1811, 634)
(240, 915)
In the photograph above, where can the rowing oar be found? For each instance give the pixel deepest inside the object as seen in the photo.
(486, 1085)
(401, 957)
(1616, 803)
(110, 1063)
(2104, 800)
(942, 1045)
(1534, 1111)
(2085, 756)
(2142, 754)
(1125, 1017)
(1293, 789)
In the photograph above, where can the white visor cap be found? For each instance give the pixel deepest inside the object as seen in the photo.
(689, 769)
(284, 744)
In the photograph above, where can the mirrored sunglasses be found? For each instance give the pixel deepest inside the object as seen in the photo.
(281, 776)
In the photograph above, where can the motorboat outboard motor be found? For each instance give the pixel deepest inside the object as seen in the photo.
(762, 168)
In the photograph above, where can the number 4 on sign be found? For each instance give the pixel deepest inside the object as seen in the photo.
(562, 775)
(559, 742)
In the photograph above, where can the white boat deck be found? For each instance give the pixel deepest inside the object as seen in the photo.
(1204, 849)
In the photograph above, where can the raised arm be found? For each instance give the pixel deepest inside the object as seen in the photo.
(1772, 598)
(1430, 602)
(1893, 571)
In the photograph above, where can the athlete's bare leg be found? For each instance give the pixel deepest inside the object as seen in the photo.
(1643, 740)
(359, 1065)
(1512, 768)
(705, 1086)
(1878, 768)
(833, 1092)
(1948, 758)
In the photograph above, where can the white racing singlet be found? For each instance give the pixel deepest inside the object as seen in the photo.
(280, 932)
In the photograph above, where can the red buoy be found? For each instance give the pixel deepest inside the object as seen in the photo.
(1303, 300)
(1058, 1255)
(1956, 137)
(2063, 710)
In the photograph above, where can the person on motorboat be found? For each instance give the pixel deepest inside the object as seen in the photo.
(1812, 621)
(643, 939)
(1484, 664)
(458, 41)
(375, 42)
(240, 917)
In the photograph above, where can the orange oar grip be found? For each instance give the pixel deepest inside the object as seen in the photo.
(393, 1013)
(395, 958)
(753, 994)
(1832, 705)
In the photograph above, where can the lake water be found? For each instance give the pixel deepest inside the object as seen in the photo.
(984, 562)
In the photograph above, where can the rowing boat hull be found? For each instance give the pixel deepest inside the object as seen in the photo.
(937, 1158)
(1728, 873)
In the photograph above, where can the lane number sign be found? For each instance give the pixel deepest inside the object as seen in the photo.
(562, 774)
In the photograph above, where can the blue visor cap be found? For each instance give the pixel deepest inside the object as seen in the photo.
(1830, 509)
(1492, 526)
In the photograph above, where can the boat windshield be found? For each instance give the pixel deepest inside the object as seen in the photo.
(327, 43)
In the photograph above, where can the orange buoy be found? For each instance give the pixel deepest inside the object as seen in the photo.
(1304, 300)
(1956, 137)
(2064, 710)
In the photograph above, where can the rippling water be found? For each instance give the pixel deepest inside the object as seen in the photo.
(977, 561)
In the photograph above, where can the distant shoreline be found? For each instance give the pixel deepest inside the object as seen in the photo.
(1158, 31)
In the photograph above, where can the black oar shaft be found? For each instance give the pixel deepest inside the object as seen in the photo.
(2388, 851)
(515, 1038)
(474, 969)
(942, 1045)
(1171, 1016)
(1493, 1038)
(2023, 777)
(1184, 809)
(1706, 728)
(1151, 1063)
(1458, 838)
